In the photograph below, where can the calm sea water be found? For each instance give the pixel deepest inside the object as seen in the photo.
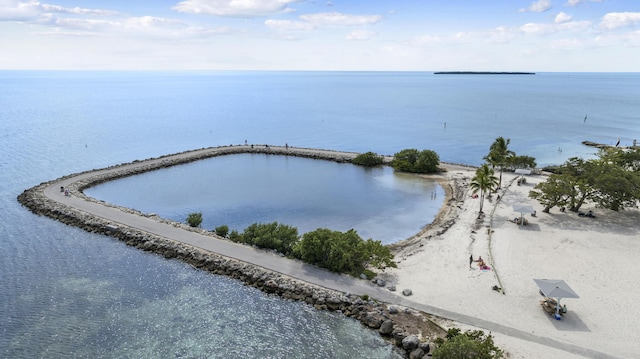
(67, 293)
(239, 190)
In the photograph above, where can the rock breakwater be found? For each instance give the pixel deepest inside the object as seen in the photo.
(393, 325)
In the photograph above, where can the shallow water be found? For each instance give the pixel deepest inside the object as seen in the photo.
(239, 190)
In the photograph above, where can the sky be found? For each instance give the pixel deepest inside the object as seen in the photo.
(322, 35)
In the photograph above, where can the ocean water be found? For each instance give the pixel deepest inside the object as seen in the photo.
(65, 293)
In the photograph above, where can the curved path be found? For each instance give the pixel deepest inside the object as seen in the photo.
(292, 268)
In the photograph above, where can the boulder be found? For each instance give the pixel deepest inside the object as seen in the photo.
(410, 342)
(407, 292)
(386, 328)
(393, 309)
(372, 320)
(416, 353)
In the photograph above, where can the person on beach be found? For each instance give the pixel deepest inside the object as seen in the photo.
(470, 260)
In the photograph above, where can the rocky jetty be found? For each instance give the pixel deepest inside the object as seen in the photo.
(394, 325)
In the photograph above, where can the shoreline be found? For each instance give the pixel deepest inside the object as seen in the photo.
(356, 298)
(425, 259)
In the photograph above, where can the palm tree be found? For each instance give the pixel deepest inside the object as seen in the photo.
(499, 155)
(484, 181)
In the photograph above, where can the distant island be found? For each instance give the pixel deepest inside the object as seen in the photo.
(481, 73)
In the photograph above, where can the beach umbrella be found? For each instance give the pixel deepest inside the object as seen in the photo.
(555, 288)
(522, 209)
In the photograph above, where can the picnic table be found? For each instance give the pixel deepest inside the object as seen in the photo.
(549, 305)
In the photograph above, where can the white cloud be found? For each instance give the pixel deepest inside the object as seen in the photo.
(31, 11)
(614, 20)
(538, 6)
(537, 29)
(500, 35)
(288, 25)
(19, 11)
(313, 21)
(361, 35)
(426, 40)
(565, 44)
(76, 10)
(578, 2)
(544, 29)
(234, 8)
(562, 17)
(154, 22)
(338, 19)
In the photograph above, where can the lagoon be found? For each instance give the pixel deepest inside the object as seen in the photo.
(240, 189)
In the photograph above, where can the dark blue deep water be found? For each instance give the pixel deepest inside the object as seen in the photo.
(65, 293)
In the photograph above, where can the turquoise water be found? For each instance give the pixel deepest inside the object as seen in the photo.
(65, 293)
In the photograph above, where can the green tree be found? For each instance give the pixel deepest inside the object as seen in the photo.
(469, 345)
(615, 187)
(236, 236)
(484, 181)
(500, 155)
(194, 219)
(628, 159)
(405, 160)
(428, 162)
(273, 235)
(342, 252)
(368, 159)
(516, 162)
(222, 230)
(580, 177)
(377, 255)
(552, 192)
(611, 181)
(412, 160)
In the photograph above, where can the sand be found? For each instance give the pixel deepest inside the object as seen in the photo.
(595, 256)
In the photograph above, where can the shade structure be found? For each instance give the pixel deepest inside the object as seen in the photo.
(555, 288)
(522, 209)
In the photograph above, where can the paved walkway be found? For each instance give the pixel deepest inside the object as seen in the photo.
(292, 268)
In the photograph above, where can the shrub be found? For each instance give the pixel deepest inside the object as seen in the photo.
(194, 219)
(234, 236)
(470, 344)
(368, 159)
(412, 160)
(342, 252)
(222, 230)
(276, 236)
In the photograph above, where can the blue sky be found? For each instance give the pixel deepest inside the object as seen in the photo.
(374, 35)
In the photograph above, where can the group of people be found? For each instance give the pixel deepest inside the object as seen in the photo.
(480, 261)
(64, 190)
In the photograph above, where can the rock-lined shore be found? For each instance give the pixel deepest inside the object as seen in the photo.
(405, 328)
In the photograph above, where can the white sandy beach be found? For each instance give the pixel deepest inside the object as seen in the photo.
(597, 257)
